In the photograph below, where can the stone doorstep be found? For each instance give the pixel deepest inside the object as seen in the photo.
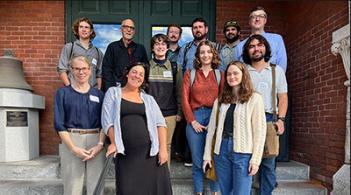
(48, 167)
(180, 187)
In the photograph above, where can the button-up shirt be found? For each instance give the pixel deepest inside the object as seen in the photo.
(227, 54)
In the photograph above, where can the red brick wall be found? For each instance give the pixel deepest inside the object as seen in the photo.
(316, 86)
(240, 10)
(315, 76)
(35, 32)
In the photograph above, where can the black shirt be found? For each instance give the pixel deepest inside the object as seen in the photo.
(229, 120)
(117, 58)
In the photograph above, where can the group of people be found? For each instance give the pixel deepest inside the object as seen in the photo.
(223, 95)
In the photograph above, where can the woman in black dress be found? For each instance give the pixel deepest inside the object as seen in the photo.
(137, 130)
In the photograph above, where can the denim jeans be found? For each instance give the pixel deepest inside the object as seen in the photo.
(232, 170)
(266, 172)
(196, 143)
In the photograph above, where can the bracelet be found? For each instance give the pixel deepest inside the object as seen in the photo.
(101, 143)
(281, 118)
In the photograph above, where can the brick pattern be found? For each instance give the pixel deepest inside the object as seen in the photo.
(35, 32)
(316, 86)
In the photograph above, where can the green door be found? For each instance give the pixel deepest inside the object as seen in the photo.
(146, 14)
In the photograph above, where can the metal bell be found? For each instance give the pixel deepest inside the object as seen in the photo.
(11, 72)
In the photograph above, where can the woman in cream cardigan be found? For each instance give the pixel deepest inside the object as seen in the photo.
(240, 132)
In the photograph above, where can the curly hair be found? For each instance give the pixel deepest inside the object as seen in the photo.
(261, 39)
(246, 88)
(75, 27)
(215, 59)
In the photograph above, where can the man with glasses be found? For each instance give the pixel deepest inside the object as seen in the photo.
(120, 54)
(231, 32)
(257, 22)
(83, 30)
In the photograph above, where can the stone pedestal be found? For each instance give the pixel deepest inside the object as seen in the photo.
(19, 124)
(341, 46)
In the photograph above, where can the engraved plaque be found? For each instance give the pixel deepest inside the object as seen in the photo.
(17, 119)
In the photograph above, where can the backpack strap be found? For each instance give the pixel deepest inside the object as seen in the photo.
(193, 73)
(71, 53)
(186, 49)
(218, 76)
(273, 66)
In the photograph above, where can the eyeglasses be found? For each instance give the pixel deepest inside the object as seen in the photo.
(128, 27)
(84, 69)
(260, 16)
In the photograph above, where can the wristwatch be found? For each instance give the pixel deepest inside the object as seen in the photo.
(281, 118)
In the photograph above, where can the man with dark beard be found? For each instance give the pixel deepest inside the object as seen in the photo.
(257, 54)
(231, 32)
(186, 55)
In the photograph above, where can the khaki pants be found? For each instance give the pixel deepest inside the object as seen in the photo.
(75, 173)
(171, 124)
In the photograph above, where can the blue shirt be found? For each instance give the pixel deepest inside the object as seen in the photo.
(277, 48)
(111, 116)
(187, 62)
(73, 109)
(227, 55)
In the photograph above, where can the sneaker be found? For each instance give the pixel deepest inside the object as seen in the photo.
(188, 164)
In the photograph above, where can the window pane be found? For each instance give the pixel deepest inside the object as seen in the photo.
(105, 34)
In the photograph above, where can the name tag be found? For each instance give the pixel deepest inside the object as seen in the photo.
(93, 98)
(167, 74)
(94, 61)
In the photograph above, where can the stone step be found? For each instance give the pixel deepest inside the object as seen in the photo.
(41, 167)
(286, 171)
(180, 187)
(48, 167)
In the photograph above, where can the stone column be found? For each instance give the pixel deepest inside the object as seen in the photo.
(341, 45)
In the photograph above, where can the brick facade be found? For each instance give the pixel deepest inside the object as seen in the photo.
(35, 31)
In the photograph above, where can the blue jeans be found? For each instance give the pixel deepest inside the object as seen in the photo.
(196, 143)
(266, 172)
(232, 170)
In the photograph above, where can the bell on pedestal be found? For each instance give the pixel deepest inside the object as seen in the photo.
(11, 72)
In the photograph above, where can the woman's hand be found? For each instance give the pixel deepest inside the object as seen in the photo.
(206, 163)
(253, 169)
(197, 126)
(162, 157)
(81, 153)
(94, 151)
(111, 149)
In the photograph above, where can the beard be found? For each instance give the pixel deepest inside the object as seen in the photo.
(199, 38)
(232, 39)
(257, 58)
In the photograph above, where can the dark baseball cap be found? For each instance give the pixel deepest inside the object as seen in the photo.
(231, 23)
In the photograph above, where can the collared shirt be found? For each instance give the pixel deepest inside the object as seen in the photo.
(164, 88)
(173, 55)
(227, 55)
(262, 82)
(94, 55)
(111, 116)
(73, 109)
(277, 48)
(117, 58)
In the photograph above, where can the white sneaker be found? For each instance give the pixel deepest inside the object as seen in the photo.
(188, 164)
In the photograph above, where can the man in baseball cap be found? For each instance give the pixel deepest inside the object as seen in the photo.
(231, 32)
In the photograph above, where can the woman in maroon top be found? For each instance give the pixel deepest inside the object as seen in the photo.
(197, 101)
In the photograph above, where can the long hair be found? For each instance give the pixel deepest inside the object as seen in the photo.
(261, 39)
(215, 59)
(246, 88)
(146, 75)
(76, 26)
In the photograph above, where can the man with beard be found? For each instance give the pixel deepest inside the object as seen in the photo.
(120, 54)
(231, 32)
(174, 33)
(186, 55)
(257, 22)
(256, 54)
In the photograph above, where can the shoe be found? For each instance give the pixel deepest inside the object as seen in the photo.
(188, 164)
